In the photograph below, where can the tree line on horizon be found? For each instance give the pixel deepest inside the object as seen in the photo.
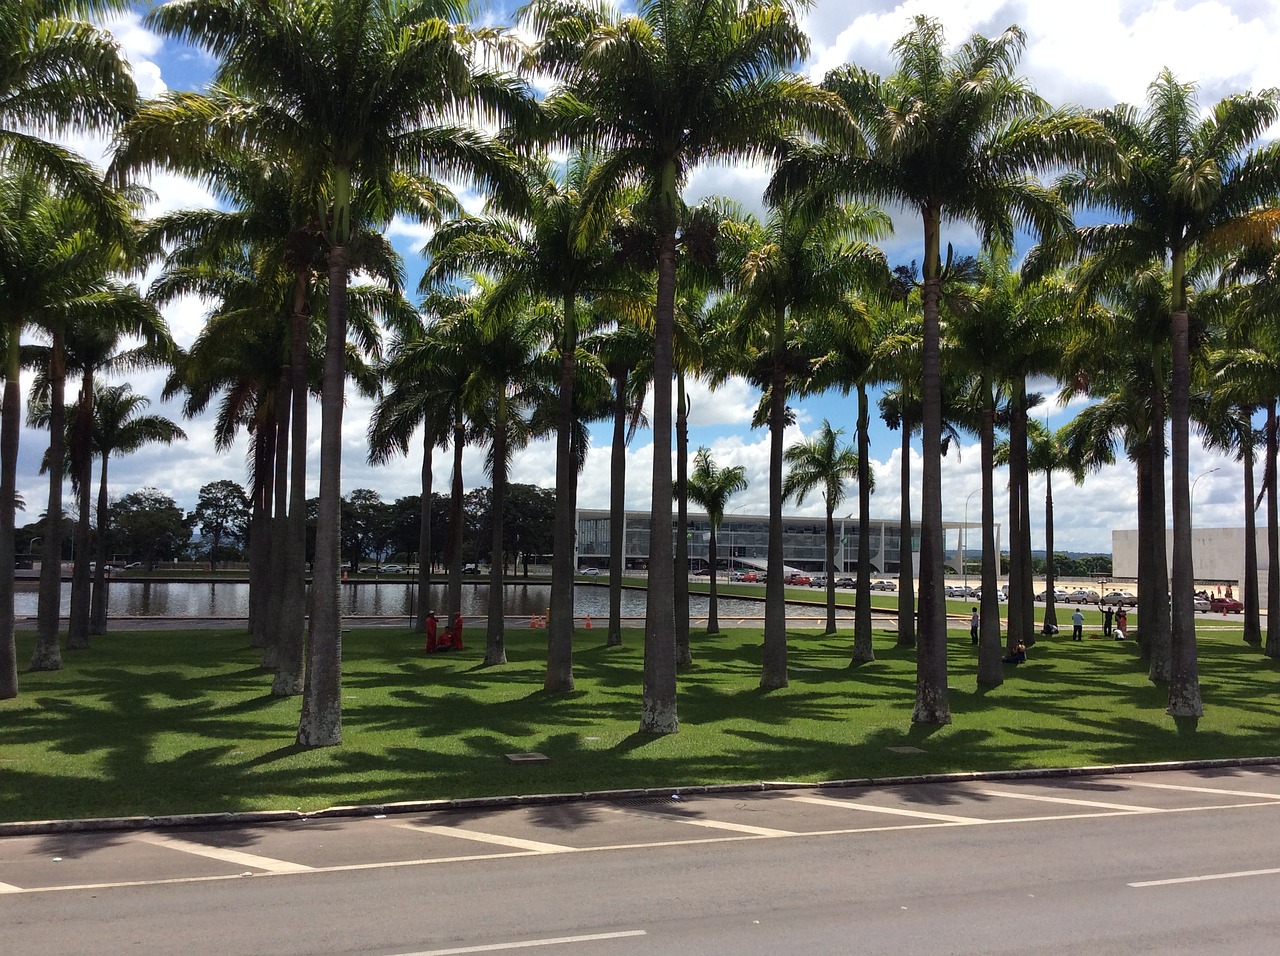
(588, 283)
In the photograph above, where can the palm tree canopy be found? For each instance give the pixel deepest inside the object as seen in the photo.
(820, 463)
(711, 485)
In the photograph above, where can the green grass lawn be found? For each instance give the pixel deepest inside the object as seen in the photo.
(172, 721)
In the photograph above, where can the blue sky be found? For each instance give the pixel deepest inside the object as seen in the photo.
(1092, 53)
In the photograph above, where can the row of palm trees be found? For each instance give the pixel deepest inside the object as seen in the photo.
(583, 284)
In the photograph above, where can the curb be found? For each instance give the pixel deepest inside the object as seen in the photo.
(259, 817)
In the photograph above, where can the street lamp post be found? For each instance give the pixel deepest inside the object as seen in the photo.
(964, 545)
(1191, 504)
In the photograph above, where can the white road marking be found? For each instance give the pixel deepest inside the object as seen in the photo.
(940, 821)
(1229, 793)
(525, 944)
(893, 811)
(1069, 801)
(1210, 876)
(238, 857)
(697, 822)
(463, 834)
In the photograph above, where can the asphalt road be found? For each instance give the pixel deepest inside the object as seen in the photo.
(1170, 862)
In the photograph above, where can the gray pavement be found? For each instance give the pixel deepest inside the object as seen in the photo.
(1179, 861)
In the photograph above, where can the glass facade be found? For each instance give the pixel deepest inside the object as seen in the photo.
(743, 541)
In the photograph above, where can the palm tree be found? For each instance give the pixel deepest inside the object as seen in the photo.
(822, 463)
(555, 247)
(119, 428)
(677, 83)
(711, 486)
(1190, 182)
(354, 125)
(953, 135)
(60, 75)
(792, 286)
(58, 270)
(1118, 356)
(622, 351)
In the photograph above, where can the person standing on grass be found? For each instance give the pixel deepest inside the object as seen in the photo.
(1122, 624)
(1077, 625)
(432, 633)
(975, 621)
(1107, 613)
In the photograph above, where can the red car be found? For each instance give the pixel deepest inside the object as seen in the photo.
(1225, 605)
(799, 580)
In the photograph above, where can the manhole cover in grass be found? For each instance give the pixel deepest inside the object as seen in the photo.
(906, 750)
(527, 758)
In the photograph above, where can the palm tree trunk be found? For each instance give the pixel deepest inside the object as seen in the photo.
(1146, 536)
(774, 670)
(260, 582)
(906, 560)
(1159, 640)
(1249, 586)
(47, 656)
(684, 655)
(101, 547)
(863, 651)
(279, 525)
(1020, 474)
(1050, 616)
(932, 705)
(424, 527)
(559, 676)
(658, 714)
(293, 606)
(829, 562)
(495, 650)
(1019, 623)
(990, 668)
(454, 574)
(82, 462)
(10, 428)
(1273, 535)
(617, 507)
(713, 599)
(1184, 682)
(321, 721)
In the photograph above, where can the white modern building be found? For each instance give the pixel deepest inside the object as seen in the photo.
(743, 540)
(1218, 556)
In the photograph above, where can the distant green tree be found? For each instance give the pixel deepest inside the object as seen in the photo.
(222, 514)
(149, 524)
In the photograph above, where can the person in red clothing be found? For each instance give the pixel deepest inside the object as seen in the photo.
(433, 639)
(457, 631)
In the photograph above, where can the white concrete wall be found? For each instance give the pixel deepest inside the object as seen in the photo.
(1218, 556)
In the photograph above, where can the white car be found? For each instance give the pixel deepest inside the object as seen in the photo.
(1124, 598)
(1059, 594)
(1202, 603)
(1083, 596)
(392, 569)
(883, 586)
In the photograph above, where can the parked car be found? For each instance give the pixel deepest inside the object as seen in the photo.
(1123, 598)
(700, 572)
(846, 583)
(960, 591)
(132, 565)
(590, 572)
(751, 577)
(1202, 603)
(798, 580)
(883, 586)
(818, 581)
(1226, 605)
(392, 569)
(1083, 596)
(1059, 594)
(471, 569)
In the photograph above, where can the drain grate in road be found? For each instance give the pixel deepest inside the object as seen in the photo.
(648, 801)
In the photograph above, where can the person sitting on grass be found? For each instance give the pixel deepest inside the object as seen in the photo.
(1019, 655)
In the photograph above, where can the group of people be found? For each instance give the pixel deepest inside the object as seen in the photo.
(450, 640)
